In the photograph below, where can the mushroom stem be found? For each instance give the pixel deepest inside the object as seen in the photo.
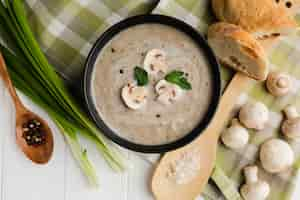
(291, 112)
(282, 83)
(235, 121)
(251, 174)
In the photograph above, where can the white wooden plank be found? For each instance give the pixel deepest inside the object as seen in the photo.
(139, 179)
(4, 120)
(24, 180)
(111, 183)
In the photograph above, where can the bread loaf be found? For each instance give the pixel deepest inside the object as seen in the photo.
(265, 19)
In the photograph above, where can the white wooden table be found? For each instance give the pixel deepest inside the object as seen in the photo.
(61, 179)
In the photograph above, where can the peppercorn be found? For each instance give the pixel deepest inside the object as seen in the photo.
(33, 133)
(288, 4)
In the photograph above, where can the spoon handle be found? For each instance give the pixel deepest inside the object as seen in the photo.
(237, 85)
(5, 76)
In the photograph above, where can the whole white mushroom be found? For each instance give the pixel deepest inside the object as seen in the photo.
(254, 115)
(236, 136)
(276, 155)
(254, 189)
(279, 84)
(291, 126)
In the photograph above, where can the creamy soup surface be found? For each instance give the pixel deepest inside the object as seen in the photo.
(154, 123)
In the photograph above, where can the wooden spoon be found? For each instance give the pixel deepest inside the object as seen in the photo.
(38, 152)
(165, 188)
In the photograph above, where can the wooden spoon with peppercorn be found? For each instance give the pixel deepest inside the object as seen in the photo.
(33, 134)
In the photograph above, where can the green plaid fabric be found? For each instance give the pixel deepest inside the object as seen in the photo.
(66, 30)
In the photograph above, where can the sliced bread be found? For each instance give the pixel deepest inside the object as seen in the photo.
(237, 49)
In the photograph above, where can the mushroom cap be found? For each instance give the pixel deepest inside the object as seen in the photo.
(255, 191)
(235, 137)
(254, 115)
(291, 112)
(278, 84)
(291, 128)
(276, 155)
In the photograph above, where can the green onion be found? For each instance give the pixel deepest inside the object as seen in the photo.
(35, 77)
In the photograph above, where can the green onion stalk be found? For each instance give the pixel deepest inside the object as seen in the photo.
(34, 76)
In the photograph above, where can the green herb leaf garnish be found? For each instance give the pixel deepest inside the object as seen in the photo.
(141, 76)
(177, 77)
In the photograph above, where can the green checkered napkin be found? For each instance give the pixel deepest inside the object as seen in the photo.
(66, 29)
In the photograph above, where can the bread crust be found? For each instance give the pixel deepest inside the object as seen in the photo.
(223, 29)
(255, 15)
(246, 45)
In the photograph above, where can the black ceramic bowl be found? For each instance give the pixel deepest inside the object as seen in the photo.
(179, 25)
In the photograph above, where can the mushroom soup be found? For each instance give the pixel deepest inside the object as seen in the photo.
(152, 84)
